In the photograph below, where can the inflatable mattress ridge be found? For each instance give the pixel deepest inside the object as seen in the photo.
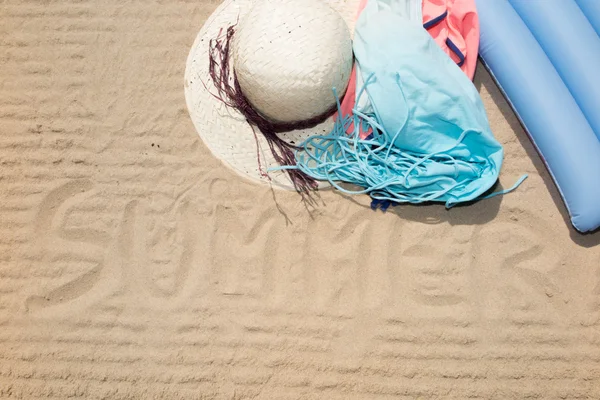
(551, 94)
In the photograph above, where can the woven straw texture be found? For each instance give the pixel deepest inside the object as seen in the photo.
(224, 130)
(296, 86)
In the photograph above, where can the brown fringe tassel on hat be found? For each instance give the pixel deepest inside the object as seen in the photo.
(232, 96)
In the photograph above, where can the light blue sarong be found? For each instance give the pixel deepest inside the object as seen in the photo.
(431, 138)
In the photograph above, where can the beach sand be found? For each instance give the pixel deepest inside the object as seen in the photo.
(133, 264)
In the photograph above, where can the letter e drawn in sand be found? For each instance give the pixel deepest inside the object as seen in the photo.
(436, 259)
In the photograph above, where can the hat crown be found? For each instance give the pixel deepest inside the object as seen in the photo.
(288, 55)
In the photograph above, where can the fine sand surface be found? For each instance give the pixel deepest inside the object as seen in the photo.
(133, 264)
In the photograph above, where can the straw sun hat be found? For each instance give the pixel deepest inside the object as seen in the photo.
(287, 55)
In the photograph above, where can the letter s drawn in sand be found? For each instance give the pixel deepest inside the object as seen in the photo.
(74, 245)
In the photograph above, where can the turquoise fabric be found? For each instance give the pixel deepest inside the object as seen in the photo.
(431, 141)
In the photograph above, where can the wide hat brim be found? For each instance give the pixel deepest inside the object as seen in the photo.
(223, 130)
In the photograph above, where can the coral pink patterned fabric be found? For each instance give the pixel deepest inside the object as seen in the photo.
(454, 26)
(350, 97)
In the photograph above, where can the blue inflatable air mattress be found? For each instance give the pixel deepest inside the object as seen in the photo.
(545, 56)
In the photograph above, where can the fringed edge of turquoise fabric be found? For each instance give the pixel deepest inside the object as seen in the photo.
(385, 172)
